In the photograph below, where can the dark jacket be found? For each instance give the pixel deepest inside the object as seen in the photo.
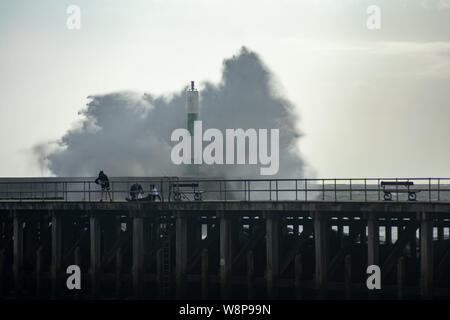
(102, 179)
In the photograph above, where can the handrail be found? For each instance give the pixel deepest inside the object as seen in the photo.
(252, 189)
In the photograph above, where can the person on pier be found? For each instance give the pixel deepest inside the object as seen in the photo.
(103, 181)
(136, 192)
(154, 193)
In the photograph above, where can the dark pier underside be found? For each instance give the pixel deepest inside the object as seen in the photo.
(224, 249)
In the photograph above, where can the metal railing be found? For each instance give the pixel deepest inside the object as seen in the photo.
(354, 189)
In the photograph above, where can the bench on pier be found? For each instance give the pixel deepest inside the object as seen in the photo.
(404, 184)
(183, 190)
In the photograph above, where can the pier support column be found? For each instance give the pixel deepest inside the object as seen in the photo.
(351, 229)
(373, 246)
(39, 263)
(440, 236)
(138, 256)
(400, 277)
(236, 228)
(118, 289)
(109, 236)
(225, 256)
(119, 257)
(250, 275)
(181, 254)
(56, 251)
(272, 254)
(321, 252)
(373, 240)
(348, 276)
(159, 275)
(298, 270)
(340, 228)
(204, 270)
(30, 240)
(17, 252)
(2, 272)
(363, 238)
(413, 246)
(399, 228)
(44, 233)
(196, 233)
(426, 255)
(95, 237)
(388, 232)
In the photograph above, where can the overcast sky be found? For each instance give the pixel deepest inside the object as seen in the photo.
(371, 103)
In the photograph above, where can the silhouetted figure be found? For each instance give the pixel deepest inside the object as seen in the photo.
(154, 193)
(136, 191)
(103, 181)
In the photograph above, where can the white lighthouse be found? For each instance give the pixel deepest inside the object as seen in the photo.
(192, 108)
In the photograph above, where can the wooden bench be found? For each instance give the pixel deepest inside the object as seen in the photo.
(178, 193)
(406, 184)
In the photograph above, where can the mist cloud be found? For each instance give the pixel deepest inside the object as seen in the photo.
(128, 134)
